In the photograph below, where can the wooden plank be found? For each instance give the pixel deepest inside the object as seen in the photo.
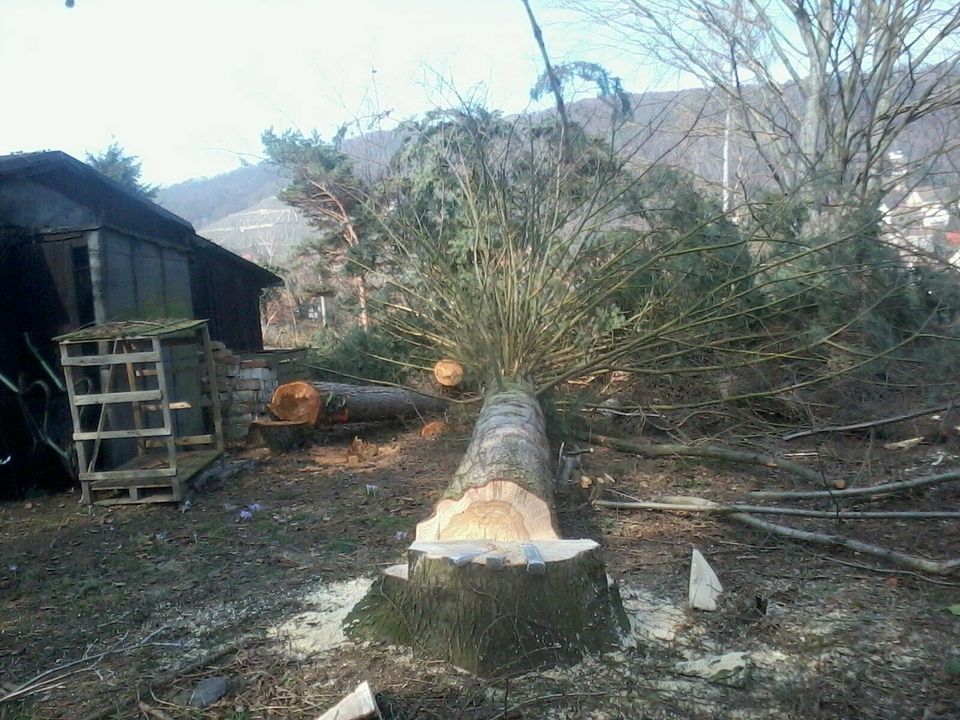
(117, 359)
(117, 397)
(75, 416)
(196, 440)
(113, 479)
(184, 441)
(176, 405)
(152, 489)
(127, 500)
(165, 409)
(106, 378)
(138, 422)
(190, 464)
(213, 391)
(116, 434)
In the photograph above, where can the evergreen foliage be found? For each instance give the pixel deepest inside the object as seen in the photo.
(326, 187)
(124, 169)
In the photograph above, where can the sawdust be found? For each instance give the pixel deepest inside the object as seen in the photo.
(320, 629)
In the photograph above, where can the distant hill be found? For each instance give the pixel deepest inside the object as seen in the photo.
(203, 201)
(267, 231)
(239, 209)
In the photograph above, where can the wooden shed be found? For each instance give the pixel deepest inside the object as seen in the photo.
(77, 249)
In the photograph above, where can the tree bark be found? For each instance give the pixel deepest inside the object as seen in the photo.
(488, 584)
(329, 402)
(503, 488)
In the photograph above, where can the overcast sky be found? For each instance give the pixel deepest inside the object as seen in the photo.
(189, 85)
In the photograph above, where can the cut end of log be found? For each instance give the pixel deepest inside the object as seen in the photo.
(296, 401)
(499, 510)
(433, 429)
(448, 373)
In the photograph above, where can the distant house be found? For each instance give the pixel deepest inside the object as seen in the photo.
(77, 248)
(923, 221)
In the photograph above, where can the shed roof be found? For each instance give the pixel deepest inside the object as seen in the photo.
(112, 202)
(126, 329)
(119, 207)
(262, 276)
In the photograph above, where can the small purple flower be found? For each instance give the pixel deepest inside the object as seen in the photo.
(246, 515)
(372, 489)
(401, 535)
(255, 507)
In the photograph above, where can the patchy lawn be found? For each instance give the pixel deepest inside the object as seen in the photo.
(121, 612)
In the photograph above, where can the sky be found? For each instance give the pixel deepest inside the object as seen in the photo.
(190, 85)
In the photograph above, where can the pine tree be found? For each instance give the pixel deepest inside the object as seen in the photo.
(121, 168)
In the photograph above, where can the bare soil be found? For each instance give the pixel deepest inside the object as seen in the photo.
(121, 612)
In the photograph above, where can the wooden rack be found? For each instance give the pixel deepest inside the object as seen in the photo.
(145, 408)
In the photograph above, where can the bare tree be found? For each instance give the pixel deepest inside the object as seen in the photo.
(822, 88)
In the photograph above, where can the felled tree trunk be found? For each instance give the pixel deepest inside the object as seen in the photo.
(488, 584)
(503, 488)
(328, 402)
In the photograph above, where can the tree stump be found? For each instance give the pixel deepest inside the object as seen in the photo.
(489, 585)
(496, 608)
(281, 435)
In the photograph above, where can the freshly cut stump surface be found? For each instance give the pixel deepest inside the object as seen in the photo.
(489, 585)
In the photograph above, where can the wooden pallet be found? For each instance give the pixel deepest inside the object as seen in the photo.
(128, 491)
(122, 376)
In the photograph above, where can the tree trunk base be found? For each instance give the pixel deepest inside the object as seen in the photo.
(280, 435)
(496, 608)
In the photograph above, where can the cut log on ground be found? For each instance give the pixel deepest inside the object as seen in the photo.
(358, 705)
(296, 401)
(330, 403)
(488, 584)
(503, 488)
(448, 373)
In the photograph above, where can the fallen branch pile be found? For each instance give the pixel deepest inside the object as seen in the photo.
(745, 514)
(705, 451)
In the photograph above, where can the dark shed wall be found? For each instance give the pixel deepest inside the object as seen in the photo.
(143, 280)
(229, 299)
(40, 208)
